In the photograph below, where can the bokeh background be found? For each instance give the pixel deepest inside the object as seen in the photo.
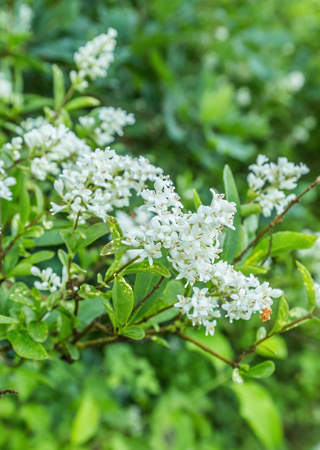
(210, 82)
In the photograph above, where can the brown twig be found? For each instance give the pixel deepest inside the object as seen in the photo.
(276, 220)
(254, 346)
(8, 391)
(108, 280)
(207, 349)
(148, 295)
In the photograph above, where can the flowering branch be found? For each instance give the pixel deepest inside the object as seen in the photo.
(276, 220)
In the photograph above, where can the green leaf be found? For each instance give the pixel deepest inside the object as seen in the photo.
(250, 208)
(258, 409)
(134, 332)
(143, 285)
(309, 285)
(8, 320)
(82, 102)
(274, 347)
(144, 267)
(26, 347)
(115, 246)
(93, 233)
(38, 330)
(282, 242)
(262, 370)
(86, 422)
(122, 298)
(171, 291)
(282, 315)
(196, 199)
(247, 270)
(58, 86)
(40, 256)
(72, 350)
(232, 236)
(106, 303)
(24, 201)
(88, 291)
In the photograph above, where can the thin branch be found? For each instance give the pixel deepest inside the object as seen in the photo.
(108, 280)
(254, 346)
(206, 349)
(276, 220)
(149, 295)
(8, 391)
(145, 319)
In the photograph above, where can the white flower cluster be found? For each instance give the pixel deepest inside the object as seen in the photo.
(14, 147)
(50, 281)
(241, 297)
(111, 121)
(93, 59)
(192, 241)
(5, 183)
(101, 181)
(267, 181)
(49, 146)
(192, 238)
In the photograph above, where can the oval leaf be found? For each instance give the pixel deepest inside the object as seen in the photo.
(262, 370)
(122, 298)
(134, 332)
(26, 347)
(82, 102)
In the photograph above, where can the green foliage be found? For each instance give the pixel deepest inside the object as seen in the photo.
(201, 100)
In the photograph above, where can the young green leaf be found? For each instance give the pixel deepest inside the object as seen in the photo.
(196, 199)
(122, 298)
(93, 233)
(250, 208)
(282, 315)
(309, 285)
(232, 236)
(144, 267)
(134, 332)
(82, 102)
(262, 370)
(58, 86)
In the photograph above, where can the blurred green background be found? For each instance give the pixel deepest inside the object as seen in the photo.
(210, 83)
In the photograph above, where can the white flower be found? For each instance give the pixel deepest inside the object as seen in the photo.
(50, 280)
(93, 59)
(268, 180)
(5, 183)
